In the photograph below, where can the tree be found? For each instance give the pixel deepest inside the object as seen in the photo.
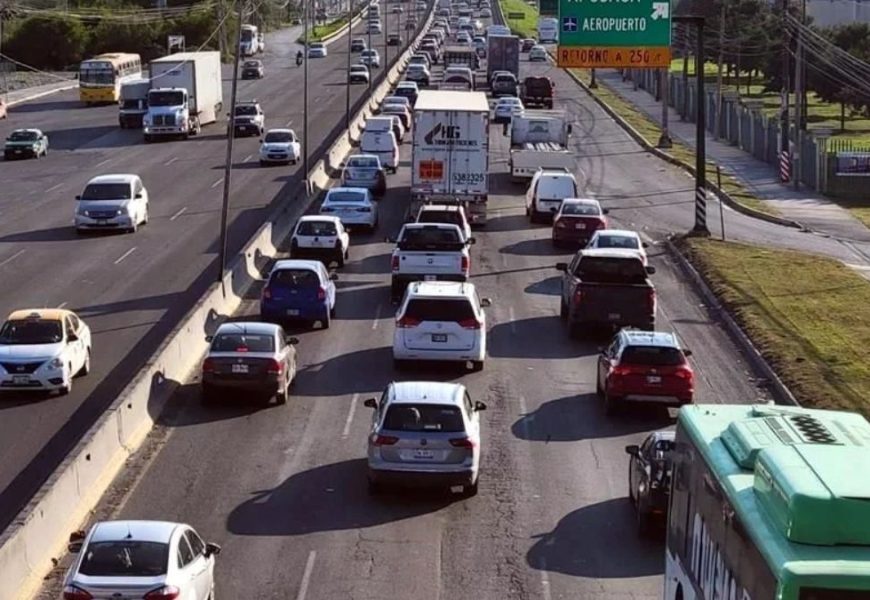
(55, 43)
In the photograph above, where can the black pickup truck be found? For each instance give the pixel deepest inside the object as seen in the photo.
(537, 91)
(607, 288)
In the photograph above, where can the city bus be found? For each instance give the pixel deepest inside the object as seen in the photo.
(100, 78)
(769, 503)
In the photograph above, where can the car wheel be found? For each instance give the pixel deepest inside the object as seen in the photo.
(339, 260)
(281, 395)
(66, 388)
(563, 309)
(134, 227)
(332, 312)
(325, 322)
(262, 163)
(598, 389)
(206, 394)
(470, 491)
(400, 364)
(612, 404)
(86, 366)
(477, 366)
(643, 520)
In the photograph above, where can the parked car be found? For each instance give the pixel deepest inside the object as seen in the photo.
(322, 237)
(4, 111)
(650, 469)
(424, 434)
(645, 367)
(253, 69)
(620, 239)
(354, 206)
(299, 290)
(280, 146)
(358, 74)
(24, 143)
(140, 559)
(250, 358)
(577, 220)
(364, 171)
(506, 108)
(112, 202)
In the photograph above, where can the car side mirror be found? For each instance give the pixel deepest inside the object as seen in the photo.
(139, 195)
(389, 240)
(478, 406)
(73, 337)
(371, 403)
(632, 449)
(76, 541)
(261, 140)
(687, 353)
(570, 129)
(553, 209)
(651, 270)
(471, 241)
(644, 244)
(292, 341)
(486, 302)
(606, 211)
(78, 198)
(562, 267)
(209, 338)
(212, 549)
(333, 276)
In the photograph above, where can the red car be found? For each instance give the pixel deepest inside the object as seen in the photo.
(644, 367)
(576, 220)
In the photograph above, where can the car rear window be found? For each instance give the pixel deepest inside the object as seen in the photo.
(125, 558)
(617, 241)
(586, 210)
(316, 228)
(655, 356)
(447, 309)
(611, 270)
(556, 187)
(339, 196)
(243, 342)
(424, 417)
(440, 216)
(295, 278)
(430, 238)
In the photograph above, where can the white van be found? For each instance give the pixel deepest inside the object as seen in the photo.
(546, 192)
(548, 30)
(383, 144)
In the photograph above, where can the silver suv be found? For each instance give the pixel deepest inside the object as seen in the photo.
(424, 434)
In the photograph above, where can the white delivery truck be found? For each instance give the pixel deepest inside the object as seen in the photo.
(539, 139)
(250, 43)
(186, 93)
(134, 103)
(450, 152)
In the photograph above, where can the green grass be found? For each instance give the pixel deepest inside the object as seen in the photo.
(809, 317)
(528, 25)
(318, 32)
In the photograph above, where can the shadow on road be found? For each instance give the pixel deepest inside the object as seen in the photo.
(537, 338)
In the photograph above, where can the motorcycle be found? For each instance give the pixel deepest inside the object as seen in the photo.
(298, 60)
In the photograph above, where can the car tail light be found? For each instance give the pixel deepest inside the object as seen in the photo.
(685, 373)
(578, 295)
(471, 323)
(242, 349)
(407, 322)
(466, 264)
(651, 300)
(601, 224)
(560, 224)
(462, 443)
(267, 293)
(208, 366)
(71, 592)
(167, 592)
(321, 294)
(274, 366)
(623, 370)
(394, 263)
(384, 440)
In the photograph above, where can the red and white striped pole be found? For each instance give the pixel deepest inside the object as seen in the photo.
(785, 166)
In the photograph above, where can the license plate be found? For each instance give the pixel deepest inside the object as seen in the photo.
(293, 312)
(653, 379)
(614, 316)
(424, 454)
(439, 337)
(18, 152)
(579, 225)
(20, 379)
(429, 278)
(240, 368)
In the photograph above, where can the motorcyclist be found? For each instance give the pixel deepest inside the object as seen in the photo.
(299, 58)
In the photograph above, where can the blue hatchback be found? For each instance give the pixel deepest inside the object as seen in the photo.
(299, 290)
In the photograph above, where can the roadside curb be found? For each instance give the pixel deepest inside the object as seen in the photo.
(41, 94)
(780, 391)
(649, 147)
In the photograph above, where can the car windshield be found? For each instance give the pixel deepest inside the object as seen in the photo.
(586, 210)
(252, 63)
(31, 331)
(654, 356)
(246, 109)
(295, 278)
(359, 69)
(318, 228)
(125, 558)
(345, 196)
(107, 191)
(430, 238)
(317, 46)
(364, 162)
(23, 136)
(243, 342)
(617, 241)
(424, 417)
(167, 98)
(611, 270)
(278, 137)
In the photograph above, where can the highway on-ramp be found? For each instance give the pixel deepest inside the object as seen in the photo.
(132, 288)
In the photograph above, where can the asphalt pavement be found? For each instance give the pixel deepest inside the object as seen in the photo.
(283, 488)
(133, 288)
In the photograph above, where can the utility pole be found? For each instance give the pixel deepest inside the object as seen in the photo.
(593, 84)
(228, 165)
(222, 35)
(305, 129)
(798, 111)
(370, 47)
(784, 154)
(349, 31)
(685, 112)
(665, 138)
(718, 127)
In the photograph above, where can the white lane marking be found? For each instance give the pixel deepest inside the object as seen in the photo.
(346, 431)
(513, 319)
(178, 214)
(62, 304)
(11, 258)
(56, 186)
(126, 254)
(377, 317)
(218, 182)
(247, 158)
(170, 161)
(545, 581)
(102, 162)
(306, 575)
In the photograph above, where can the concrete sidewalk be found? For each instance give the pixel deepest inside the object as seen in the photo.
(19, 96)
(805, 206)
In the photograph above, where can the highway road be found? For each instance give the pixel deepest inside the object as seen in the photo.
(132, 289)
(283, 489)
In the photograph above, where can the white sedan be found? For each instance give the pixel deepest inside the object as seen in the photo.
(280, 146)
(538, 54)
(506, 108)
(355, 207)
(370, 58)
(43, 350)
(619, 238)
(317, 50)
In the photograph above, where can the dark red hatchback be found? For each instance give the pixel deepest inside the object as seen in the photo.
(576, 220)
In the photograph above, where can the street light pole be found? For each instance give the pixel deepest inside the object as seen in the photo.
(349, 31)
(665, 138)
(305, 17)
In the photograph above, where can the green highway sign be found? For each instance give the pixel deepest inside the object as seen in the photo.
(624, 23)
(516, 15)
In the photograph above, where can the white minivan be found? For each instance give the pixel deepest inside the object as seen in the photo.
(112, 202)
(546, 192)
(383, 144)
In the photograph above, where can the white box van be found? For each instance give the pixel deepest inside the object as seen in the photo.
(546, 192)
(383, 144)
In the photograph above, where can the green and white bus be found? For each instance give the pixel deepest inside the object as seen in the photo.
(769, 503)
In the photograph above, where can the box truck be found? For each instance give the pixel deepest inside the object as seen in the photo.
(134, 103)
(250, 43)
(502, 54)
(539, 139)
(450, 152)
(186, 93)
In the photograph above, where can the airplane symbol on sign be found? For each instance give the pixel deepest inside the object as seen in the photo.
(569, 24)
(660, 10)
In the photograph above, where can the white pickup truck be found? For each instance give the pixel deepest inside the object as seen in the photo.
(429, 252)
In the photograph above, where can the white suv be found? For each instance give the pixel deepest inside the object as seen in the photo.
(442, 321)
(321, 237)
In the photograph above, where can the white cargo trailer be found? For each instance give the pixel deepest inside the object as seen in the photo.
(186, 93)
(450, 157)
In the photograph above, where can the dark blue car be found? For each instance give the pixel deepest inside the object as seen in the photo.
(299, 290)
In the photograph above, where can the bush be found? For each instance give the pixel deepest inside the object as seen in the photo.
(52, 44)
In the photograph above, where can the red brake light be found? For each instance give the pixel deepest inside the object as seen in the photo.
(242, 349)
(622, 370)
(651, 299)
(462, 443)
(167, 592)
(560, 224)
(406, 322)
(578, 296)
(471, 323)
(602, 223)
(275, 367)
(384, 440)
(394, 264)
(208, 365)
(466, 263)
(321, 294)
(71, 592)
(685, 372)
(267, 293)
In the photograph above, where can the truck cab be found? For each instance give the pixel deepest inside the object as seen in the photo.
(134, 103)
(169, 114)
